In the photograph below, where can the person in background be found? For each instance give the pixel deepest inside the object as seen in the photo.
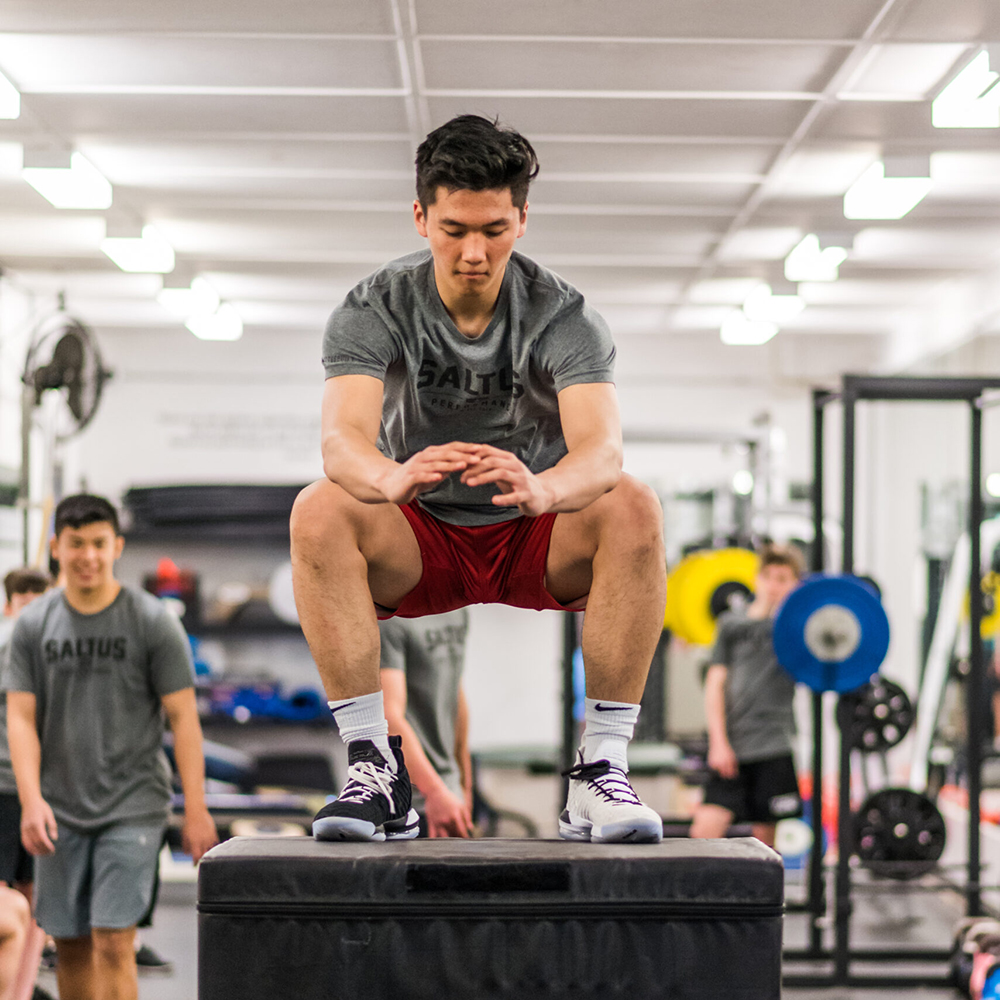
(421, 671)
(92, 670)
(18, 962)
(748, 705)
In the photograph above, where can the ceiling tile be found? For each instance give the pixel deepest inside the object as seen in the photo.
(68, 63)
(78, 114)
(649, 18)
(333, 16)
(630, 66)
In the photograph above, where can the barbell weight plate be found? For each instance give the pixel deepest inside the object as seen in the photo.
(831, 633)
(712, 582)
(898, 833)
(877, 716)
(675, 586)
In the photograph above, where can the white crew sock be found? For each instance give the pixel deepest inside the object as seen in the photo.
(608, 726)
(363, 718)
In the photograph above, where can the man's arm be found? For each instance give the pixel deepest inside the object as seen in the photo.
(590, 468)
(721, 757)
(447, 816)
(462, 754)
(352, 414)
(199, 834)
(38, 823)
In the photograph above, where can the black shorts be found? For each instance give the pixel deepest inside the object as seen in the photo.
(764, 791)
(16, 864)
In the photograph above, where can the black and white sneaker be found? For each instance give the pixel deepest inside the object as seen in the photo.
(602, 806)
(375, 802)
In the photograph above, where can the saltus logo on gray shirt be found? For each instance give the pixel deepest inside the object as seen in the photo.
(495, 388)
(84, 651)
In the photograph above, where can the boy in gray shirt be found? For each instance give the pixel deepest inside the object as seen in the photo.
(421, 670)
(92, 670)
(748, 705)
(472, 452)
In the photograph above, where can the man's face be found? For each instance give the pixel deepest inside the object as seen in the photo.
(775, 583)
(471, 236)
(18, 602)
(87, 555)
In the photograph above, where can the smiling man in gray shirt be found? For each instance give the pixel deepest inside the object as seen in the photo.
(472, 452)
(92, 670)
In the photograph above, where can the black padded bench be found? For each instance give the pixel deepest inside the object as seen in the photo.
(489, 920)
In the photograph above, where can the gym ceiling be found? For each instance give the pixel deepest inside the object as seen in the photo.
(686, 148)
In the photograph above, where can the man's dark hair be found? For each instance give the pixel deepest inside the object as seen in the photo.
(82, 509)
(472, 153)
(784, 555)
(25, 581)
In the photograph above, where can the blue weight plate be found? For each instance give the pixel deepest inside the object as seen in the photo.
(831, 633)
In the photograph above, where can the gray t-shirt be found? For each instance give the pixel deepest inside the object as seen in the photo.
(760, 722)
(7, 784)
(431, 651)
(499, 388)
(98, 680)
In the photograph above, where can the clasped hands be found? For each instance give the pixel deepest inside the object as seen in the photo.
(478, 464)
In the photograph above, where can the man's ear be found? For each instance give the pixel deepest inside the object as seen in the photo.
(419, 218)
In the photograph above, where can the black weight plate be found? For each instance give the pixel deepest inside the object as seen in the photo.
(730, 596)
(898, 833)
(878, 715)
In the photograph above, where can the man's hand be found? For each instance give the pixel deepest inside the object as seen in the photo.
(39, 831)
(519, 486)
(424, 470)
(198, 835)
(447, 815)
(722, 759)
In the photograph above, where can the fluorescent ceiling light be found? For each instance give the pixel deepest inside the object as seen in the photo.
(808, 261)
(224, 324)
(743, 483)
(78, 185)
(762, 305)
(874, 195)
(199, 299)
(148, 254)
(738, 330)
(10, 99)
(971, 100)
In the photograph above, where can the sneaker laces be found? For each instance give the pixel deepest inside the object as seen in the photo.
(366, 779)
(610, 782)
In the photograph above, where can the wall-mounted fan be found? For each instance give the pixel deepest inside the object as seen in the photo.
(63, 378)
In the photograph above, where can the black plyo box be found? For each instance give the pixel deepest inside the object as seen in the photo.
(489, 920)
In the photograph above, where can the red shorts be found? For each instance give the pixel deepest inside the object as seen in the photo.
(482, 564)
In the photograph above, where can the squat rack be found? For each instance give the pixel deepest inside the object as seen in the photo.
(976, 393)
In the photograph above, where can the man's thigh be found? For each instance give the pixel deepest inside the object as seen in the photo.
(16, 865)
(62, 886)
(326, 519)
(125, 860)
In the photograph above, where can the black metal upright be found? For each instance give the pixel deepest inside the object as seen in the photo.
(975, 701)
(570, 734)
(817, 888)
(842, 924)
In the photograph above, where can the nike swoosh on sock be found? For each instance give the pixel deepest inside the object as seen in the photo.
(612, 708)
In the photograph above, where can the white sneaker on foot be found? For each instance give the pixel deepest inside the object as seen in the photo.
(602, 806)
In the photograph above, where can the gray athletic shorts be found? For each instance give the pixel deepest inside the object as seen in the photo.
(99, 879)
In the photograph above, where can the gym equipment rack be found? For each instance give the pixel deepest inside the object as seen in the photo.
(976, 393)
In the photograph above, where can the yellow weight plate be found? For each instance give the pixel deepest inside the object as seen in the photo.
(707, 572)
(989, 625)
(675, 585)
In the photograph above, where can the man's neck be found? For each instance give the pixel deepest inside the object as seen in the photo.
(92, 600)
(471, 314)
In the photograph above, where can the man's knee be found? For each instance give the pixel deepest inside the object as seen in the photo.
(636, 511)
(112, 946)
(319, 514)
(15, 914)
